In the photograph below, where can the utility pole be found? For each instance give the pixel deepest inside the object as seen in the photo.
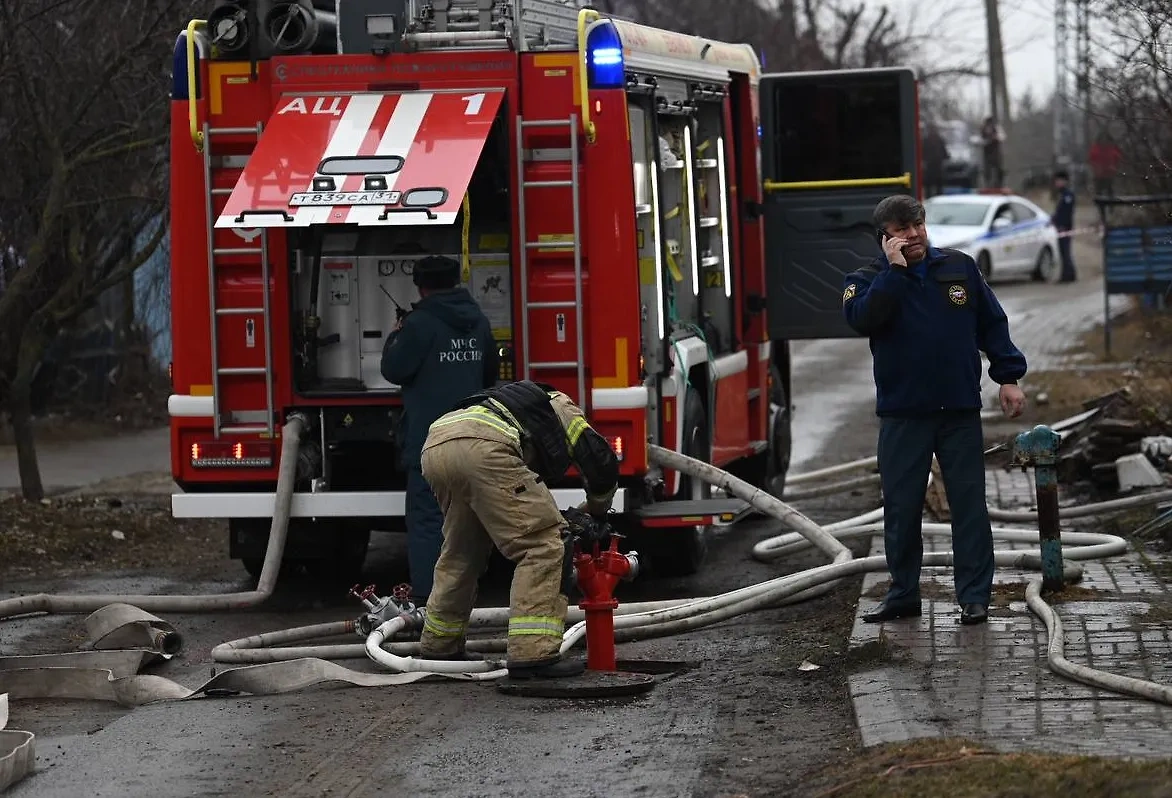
(1082, 46)
(998, 88)
(1072, 83)
(1061, 93)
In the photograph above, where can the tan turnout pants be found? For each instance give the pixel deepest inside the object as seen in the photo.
(489, 497)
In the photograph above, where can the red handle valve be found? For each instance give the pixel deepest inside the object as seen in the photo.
(402, 592)
(365, 594)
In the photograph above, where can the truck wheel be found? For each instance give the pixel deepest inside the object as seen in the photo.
(328, 550)
(781, 438)
(247, 540)
(254, 565)
(343, 561)
(681, 552)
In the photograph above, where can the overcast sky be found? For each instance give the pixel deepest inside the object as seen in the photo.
(1027, 35)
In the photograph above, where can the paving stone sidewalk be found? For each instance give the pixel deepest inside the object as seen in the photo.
(933, 677)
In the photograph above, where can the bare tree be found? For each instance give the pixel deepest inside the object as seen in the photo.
(1132, 87)
(798, 35)
(84, 88)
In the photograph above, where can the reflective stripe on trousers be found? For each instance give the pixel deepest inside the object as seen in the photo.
(441, 628)
(536, 625)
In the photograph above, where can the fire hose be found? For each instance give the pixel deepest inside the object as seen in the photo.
(113, 674)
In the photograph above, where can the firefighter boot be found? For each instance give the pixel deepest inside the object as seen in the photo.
(551, 668)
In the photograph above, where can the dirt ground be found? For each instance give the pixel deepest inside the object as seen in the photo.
(964, 769)
(1141, 362)
(92, 534)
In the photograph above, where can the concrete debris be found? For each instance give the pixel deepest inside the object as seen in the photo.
(1124, 429)
(1137, 471)
(1158, 449)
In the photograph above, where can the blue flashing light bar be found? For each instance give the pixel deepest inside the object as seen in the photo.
(604, 58)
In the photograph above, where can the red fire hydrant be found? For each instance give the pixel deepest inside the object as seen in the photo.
(598, 574)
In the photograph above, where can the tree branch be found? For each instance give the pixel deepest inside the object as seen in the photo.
(129, 266)
(849, 21)
(148, 38)
(123, 149)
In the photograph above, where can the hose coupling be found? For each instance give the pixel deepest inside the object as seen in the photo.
(633, 565)
(380, 609)
(299, 416)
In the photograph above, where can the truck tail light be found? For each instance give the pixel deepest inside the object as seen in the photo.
(616, 445)
(223, 454)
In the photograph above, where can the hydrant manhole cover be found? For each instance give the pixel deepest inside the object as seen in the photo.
(591, 684)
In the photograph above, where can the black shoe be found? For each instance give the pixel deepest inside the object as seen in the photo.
(889, 612)
(547, 669)
(973, 613)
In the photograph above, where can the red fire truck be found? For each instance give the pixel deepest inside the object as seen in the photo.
(613, 191)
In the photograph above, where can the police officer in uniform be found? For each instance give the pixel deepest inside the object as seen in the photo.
(928, 314)
(439, 353)
(1063, 220)
(490, 463)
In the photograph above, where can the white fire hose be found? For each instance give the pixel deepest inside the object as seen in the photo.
(113, 674)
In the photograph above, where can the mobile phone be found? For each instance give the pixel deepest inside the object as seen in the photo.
(882, 235)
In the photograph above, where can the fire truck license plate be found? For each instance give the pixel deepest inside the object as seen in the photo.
(346, 198)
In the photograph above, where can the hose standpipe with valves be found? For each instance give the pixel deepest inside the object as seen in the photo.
(379, 610)
(599, 571)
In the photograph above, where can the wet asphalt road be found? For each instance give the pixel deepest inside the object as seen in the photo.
(743, 720)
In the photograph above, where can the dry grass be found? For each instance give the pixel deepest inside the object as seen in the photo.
(959, 768)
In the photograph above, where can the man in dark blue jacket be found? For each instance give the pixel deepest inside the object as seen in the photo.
(929, 314)
(441, 352)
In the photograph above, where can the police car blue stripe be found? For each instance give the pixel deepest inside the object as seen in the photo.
(1013, 229)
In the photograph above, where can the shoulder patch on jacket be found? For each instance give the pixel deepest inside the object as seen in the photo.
(849, 293)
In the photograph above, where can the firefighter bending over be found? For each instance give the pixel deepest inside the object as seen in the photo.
(490, 462)
(439, 353)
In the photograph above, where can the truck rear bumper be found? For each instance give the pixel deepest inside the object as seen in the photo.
(375, 504)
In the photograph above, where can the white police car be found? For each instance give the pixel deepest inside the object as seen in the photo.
(1009, 236)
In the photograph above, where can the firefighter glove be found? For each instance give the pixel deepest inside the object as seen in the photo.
(586, 528)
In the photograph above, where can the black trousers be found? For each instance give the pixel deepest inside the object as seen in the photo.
(1066, 256)
(906, 446)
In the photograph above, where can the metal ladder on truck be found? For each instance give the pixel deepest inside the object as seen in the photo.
(574, 185)
(244, 419)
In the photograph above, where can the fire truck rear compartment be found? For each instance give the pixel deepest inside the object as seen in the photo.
(350, 286)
